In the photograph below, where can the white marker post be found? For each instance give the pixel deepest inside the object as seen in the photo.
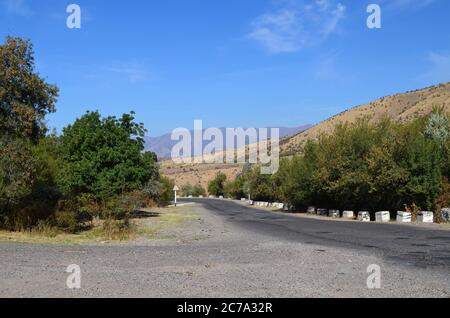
(176, 189)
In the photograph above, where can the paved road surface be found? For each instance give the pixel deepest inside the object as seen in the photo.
(408, 244)
(245, 253)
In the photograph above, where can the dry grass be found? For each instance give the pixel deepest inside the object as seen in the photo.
(165, 225)
(154, 228)
(194, 174)
(59, 238)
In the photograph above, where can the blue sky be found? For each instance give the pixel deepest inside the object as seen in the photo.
(231, 63)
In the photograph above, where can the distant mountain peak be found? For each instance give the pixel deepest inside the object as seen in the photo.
(163, 145)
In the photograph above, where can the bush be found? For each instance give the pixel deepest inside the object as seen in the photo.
(75, 213)
(190, 190)
(28, 192)
(166, 194)
(117, 229)
(122, 206)
(235, 188)
(216, 186)
(67, 221)
(17, 170)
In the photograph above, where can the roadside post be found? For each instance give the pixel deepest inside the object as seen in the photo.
(176, 189)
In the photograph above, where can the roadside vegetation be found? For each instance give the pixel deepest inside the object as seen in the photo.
(216, 186)
(364, 167)
(193, 190)
(88, 179)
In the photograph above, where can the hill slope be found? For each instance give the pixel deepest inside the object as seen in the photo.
(400, 107)
(163, 145)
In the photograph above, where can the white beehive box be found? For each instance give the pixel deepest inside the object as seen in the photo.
(311, 210)
(404, 217)
(383, 216)
(364, 216)
(425, 217)
(348, 215)
(334, 214)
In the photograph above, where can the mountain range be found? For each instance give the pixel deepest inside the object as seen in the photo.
(163, 145)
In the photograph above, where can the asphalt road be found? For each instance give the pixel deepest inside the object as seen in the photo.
(408, 244)
(238, 251)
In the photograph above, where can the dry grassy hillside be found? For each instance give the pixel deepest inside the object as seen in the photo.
(193, 174)
(401, 107)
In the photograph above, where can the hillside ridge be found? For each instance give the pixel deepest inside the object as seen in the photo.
(401, 107)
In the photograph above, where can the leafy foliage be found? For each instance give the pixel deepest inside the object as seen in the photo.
(97, 168)
(166, 194)
(363, 167)
(367, 167)
(193, 190)
(25, 98)
(216, 186)
(104, 157)
(26, 188)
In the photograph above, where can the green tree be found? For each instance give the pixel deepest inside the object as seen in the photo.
(17, 170)
(217, 185)
(235, 188)
(366, 167)
(25, 97)
(262, 186)
(104, 157)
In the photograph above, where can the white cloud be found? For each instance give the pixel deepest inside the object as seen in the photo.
(297, 26)
(19, 7)
(440, 68)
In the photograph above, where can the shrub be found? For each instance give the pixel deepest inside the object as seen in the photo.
(198, 190)
(186, 190)
(75, 213)
(122, 206)
(67, 221)
(235, 188)
(216, 186)
(166, 194)
(192, 190)
(117, 229)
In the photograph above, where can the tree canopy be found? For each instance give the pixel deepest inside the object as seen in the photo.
(25, 97)
(104, 156)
